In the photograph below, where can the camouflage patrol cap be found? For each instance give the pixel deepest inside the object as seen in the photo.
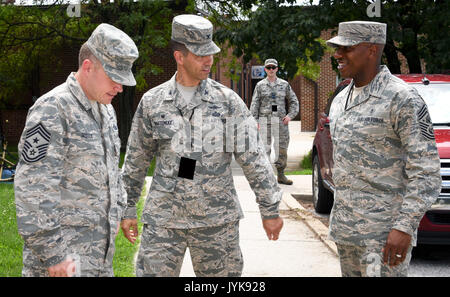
(271, 62)
(116, 52)
(352, 33)
(195, 32)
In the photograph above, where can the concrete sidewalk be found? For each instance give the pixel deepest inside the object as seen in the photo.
(302, 249)
(299, 145)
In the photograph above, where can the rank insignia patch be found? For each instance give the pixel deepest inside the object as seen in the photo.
(426, 126)
(36, 144)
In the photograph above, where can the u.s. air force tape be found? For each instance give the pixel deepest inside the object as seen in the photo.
(36, 143)
(187, 168)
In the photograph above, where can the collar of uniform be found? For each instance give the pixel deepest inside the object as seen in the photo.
(172, 91)
(272, 82)
(269, 83)
(106, 116)
(373, 89)
(377, 85)
(77, 91)
(204, 89)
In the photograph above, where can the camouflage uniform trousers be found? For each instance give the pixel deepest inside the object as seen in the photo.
(215, 251)
(367, 261)
(268, 130)
(86, 244)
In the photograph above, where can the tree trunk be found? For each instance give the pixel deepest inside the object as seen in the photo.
(410, 49)
(390, 52)
(413, 59)
(35, 79)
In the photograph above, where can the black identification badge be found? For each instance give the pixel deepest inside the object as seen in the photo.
(187, 168)
(274, 107)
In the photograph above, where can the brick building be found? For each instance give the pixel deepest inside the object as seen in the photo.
(312, 95)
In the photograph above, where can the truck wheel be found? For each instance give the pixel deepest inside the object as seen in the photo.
(322, 198)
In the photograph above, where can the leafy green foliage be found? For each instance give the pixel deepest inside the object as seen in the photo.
(417, 29)
(273, 30)
(24, 45)
(277, 28)
(32, 36)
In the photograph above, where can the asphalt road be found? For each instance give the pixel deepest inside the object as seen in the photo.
(427, 261)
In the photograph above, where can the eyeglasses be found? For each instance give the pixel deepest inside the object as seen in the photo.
(271, 67)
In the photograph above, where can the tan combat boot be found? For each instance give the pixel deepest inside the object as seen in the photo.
(282, 179)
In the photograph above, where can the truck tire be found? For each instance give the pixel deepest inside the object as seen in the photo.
(322, 197)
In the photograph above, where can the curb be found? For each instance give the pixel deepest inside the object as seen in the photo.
(314, 224)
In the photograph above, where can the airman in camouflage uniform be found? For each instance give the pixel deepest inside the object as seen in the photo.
(192, 201)
(269, 108)
(69, 194)
(386, 165)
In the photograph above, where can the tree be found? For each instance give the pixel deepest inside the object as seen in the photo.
(417, 29)
(148, 24)
(272, 30)
(434, 40)
(29, 37)
(24, 48)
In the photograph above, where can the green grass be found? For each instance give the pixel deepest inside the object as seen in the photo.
(151, 169)
(306, 163)
(11, 243)
(305, 166)
(123, 262)
(299, 172)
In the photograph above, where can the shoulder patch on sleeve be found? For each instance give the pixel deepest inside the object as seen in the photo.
(36, 143)
(426, 126)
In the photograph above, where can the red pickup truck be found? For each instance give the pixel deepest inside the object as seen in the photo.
(434, 227)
